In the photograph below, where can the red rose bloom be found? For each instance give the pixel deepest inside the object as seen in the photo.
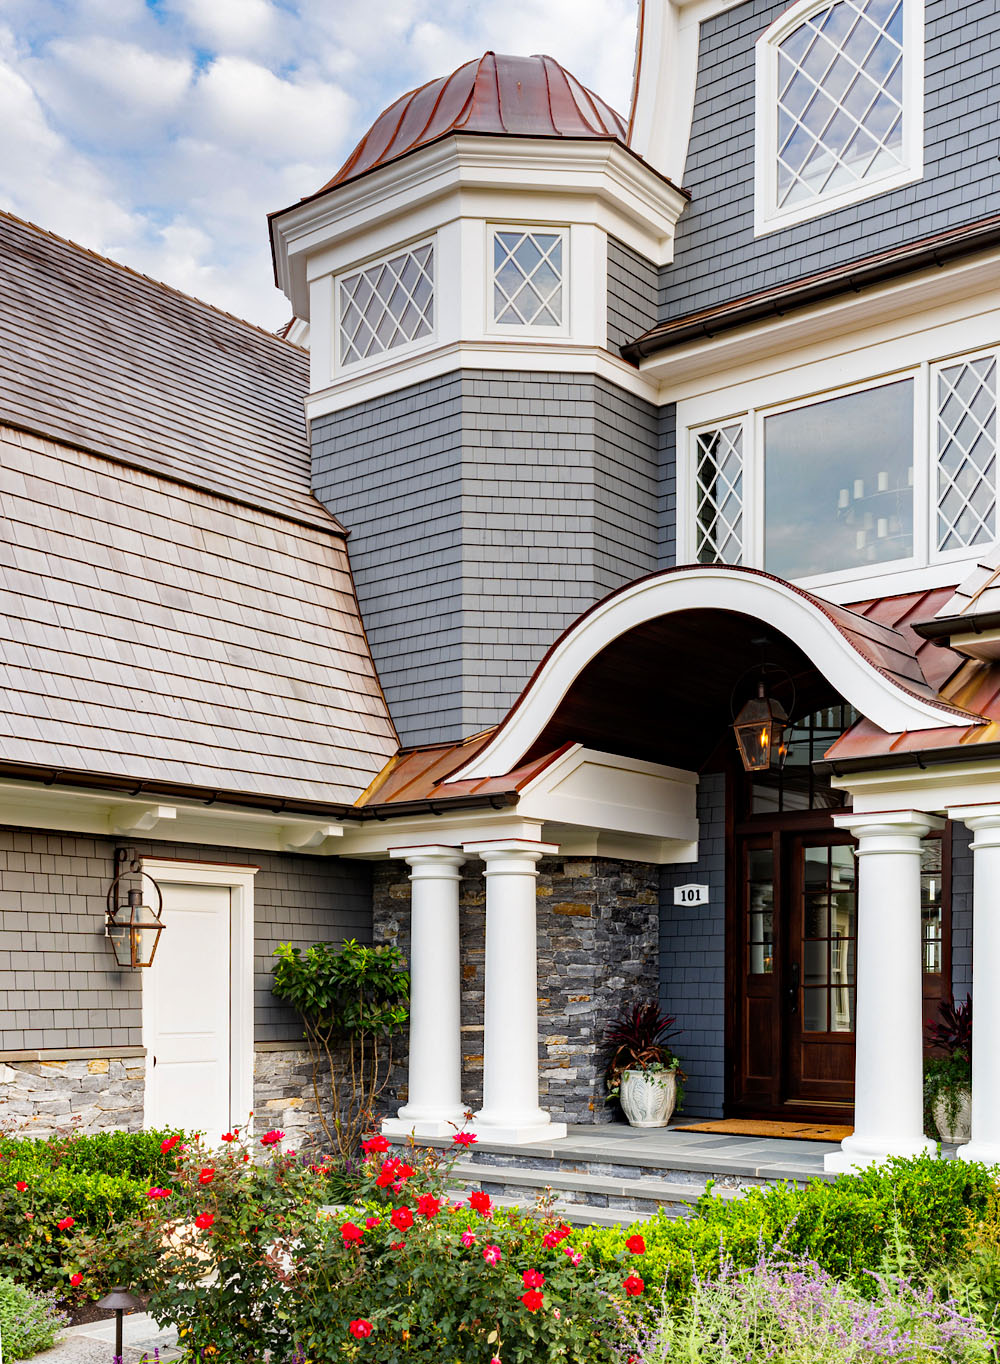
(271, 1138)
(204, 1220)
(158, 1193)
(371, 1222)
(428, 1206)
(532, 1299)
(76, 1280)
(206, 1176)
(399, 1245)
(481, 1202)
(65, 1224)
(20, 1186)
(375, 1144)
(633, 1285)
(387, 1174)
(636, 1245)
(401, 1219)
(533, 1278)
(169, 1144)
(361, 1328)
(465, 1138)
(229, 1136)
(350, 1233)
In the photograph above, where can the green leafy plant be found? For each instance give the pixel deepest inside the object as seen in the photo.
(639, 1039)
(29, 1321)
(948, 1070)
(352, 1001)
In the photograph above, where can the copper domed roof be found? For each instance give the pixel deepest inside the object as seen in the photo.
(522, 96)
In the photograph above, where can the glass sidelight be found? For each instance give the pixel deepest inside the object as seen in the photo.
(829, 945)
(760, 911)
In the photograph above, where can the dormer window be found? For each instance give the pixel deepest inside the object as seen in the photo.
(386, 305)
(839, 106)
(529, 278)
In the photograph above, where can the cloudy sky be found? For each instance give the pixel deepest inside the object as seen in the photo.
(160, 132)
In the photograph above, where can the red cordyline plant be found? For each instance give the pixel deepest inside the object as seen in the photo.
(639, 1039)
(952, 1033)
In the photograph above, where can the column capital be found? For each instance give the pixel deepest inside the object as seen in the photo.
(981, 819)
(512, 849)
(430, 855)
(898, 827)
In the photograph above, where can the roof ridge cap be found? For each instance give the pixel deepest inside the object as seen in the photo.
(150, 279)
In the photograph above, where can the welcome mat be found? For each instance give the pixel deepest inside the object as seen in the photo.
(795, 1131)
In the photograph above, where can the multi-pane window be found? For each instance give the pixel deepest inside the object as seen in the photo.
(719, 495)
(837, 113)
(966, 447)
(386, 305)
(898, 475)
(528, 278)
(830, 930)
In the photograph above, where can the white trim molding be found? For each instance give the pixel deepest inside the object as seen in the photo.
(769, 214)
(239, 880)
(746, 592)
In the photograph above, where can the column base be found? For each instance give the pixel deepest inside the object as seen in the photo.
(982, 1152)
(519, 1134)
(444, 1124)
(857, 1153)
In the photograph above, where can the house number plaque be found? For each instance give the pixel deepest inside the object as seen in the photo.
(691, 894)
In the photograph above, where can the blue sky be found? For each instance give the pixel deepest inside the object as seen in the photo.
(160, 132)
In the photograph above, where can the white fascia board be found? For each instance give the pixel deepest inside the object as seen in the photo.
(604, 792)
(374, 838)
(763, 598)
(629, 198)
(936, 790)
(535, 356)
(106, 814)
(685, 369)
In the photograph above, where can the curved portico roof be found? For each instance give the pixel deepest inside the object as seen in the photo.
(872, 665)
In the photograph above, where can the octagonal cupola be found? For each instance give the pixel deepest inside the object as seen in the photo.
(469, 228)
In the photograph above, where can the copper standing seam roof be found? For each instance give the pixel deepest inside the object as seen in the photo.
(881, 631)
(525, 96)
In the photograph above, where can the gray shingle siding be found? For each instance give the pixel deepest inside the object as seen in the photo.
(633, 284)
(717, 257)
(58, 987)
(543, 491)
(961, 911)
(692, 956)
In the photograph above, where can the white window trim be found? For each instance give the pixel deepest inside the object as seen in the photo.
(239, 880)
(768, 217)
(536, 330)
(925, 562)
(349, 368)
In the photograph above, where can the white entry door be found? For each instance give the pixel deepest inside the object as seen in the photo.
(187, 1007)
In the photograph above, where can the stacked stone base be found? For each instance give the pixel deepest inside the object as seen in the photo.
(45, 1097)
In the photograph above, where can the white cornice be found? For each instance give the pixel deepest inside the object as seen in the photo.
(584, 180)
(526, 356)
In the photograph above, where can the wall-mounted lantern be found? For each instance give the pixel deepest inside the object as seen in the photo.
(133, 928)
(759, 730)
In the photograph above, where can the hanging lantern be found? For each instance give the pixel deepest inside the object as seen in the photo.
(759, 730)
(133, 928)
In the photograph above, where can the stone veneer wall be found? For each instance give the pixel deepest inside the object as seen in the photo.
(90, 1094)
(597, 950)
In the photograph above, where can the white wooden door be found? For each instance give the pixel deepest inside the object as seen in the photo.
(188, 1010)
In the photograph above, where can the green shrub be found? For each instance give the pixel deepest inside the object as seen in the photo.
(136, 1155)
(28, 1321)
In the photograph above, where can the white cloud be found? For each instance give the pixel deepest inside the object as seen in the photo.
(241, 103)
(235, 25)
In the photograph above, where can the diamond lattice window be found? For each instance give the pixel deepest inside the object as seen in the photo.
(966, 453)
(840, 100)
(389, 304)
(528, 279)
(719, 496)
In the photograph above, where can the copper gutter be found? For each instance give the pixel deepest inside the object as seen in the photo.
(939, 250)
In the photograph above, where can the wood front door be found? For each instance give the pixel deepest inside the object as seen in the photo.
(798, 926)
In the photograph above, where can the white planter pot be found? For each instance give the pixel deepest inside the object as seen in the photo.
(648, 1097)
(962, 1130)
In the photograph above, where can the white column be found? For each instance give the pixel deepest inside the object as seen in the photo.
(510, 1111)
(888, 1092)
(984, 821)
(434, 1105)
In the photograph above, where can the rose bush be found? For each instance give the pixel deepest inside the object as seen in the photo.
(249, 1261)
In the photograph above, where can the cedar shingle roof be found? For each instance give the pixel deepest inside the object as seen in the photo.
(95, 355)
(154, 632)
